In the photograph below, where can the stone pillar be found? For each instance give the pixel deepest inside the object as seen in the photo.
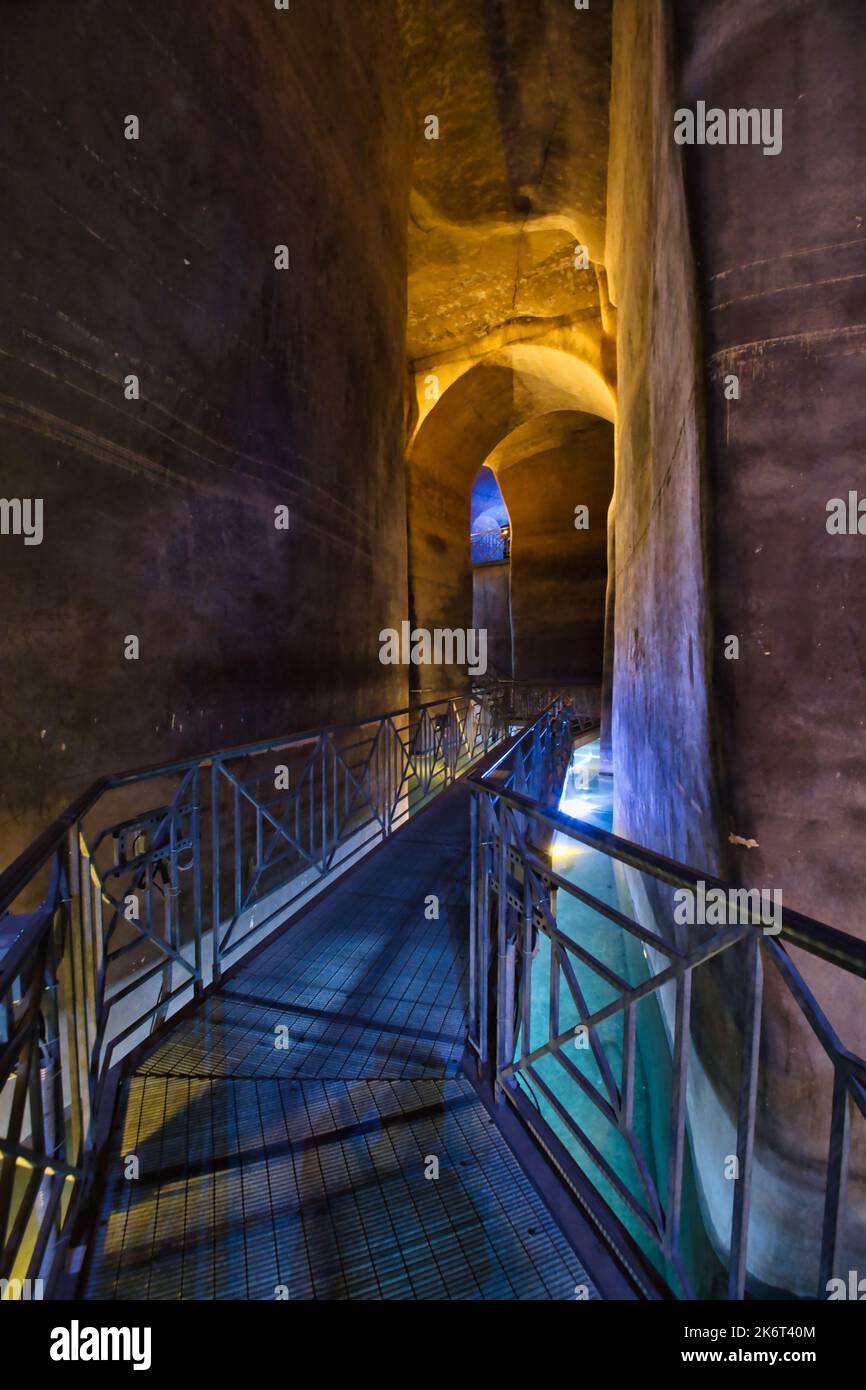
(781, 245)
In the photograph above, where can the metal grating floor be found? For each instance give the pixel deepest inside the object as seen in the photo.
(303, 1172)
(365, 985)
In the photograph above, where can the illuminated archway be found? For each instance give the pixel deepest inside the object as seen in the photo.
(486, 405)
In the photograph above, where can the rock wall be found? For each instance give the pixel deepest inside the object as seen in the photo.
(782, 281)
(558, 570)
(782, 261)
(725, 535)
(491, 610)
(258, 387)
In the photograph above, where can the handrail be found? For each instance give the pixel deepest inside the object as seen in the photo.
(31, 859)
(491, 545)
(516, 903)
(148, 904)
(490, 531)
(808, 933)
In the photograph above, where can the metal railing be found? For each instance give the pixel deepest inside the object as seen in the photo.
(488, 547)
(571, 1067)
(142, 892)
(520, 701)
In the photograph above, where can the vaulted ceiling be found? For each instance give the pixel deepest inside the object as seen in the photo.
(517, 177)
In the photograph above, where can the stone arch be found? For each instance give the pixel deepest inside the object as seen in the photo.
(485, 405)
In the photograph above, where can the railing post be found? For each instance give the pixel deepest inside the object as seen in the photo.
(453, 727)
(837, 1182)
(52, 1072)
(505, 965)
(676, 1149)
(484, 929)
(473, 919)
(215, 870)
(526, 965)
(746, 1117)
(323, 815)
(79, 1054)
(198, 983)
(384, 761)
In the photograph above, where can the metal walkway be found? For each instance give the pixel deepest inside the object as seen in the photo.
(303, 1129)
(287, 1129)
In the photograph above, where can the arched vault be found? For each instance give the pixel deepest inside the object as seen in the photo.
(541, 399)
